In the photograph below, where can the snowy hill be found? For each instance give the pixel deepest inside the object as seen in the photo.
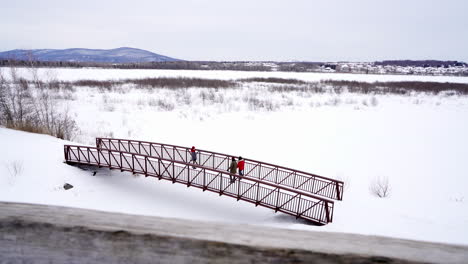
(119, 55)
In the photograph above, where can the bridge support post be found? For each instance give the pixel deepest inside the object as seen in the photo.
(327, 212)
(338, 194)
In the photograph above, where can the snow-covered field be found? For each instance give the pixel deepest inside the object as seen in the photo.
(418, 142)
(70, 74)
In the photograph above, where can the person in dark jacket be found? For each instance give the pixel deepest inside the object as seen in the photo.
(193, 154)
(241, 165)
(233, 169)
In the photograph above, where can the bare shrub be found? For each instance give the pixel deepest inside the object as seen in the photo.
(180, 82)
(109, 134)
(161, 82)
(290, 88)
(152, 102)
(275, 85)
(335, 101)
(16, 101)
(273, 80)
(109, 107)
(183, 97)
(64, 95)
(55, 122)
(374, 102)
(350, 101)
(64, 126)
(256, 104)
(351, 86)
(208, 95)
(338, 89)
(33, 111)
(15, 168)
(380, 187)
(141, 102)
(315, 88)
(166, 106)
(104, 85)
(399, 87)
(288, 101)
(219, 98)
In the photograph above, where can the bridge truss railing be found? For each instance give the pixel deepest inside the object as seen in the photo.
(311, 183)
(278, 198)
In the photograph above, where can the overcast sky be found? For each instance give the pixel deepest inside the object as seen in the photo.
(310, 30)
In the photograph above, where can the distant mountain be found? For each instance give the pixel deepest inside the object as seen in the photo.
(120, 55)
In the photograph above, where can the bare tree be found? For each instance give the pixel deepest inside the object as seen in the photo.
(31, 108)
(380, 187)
(16, 101)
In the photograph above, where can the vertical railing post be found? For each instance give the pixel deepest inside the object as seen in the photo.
(338, 194)
(146, 166)
(99, 151)
(321, 212)
(188, 174)
(313, 185)
(298, 206)
(159, 169)
(79, 154)
(220, 183)
(277, 200)
(173, 172)
(238, 189)
(276, 176)
(204, 180)
(258, 190)
(294, 181)
(121, 159)
(327, 212)
(260, 171)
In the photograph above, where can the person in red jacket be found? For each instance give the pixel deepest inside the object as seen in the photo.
(241, 165)
(193, 153)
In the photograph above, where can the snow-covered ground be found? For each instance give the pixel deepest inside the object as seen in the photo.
(418, 142)
(70, 74)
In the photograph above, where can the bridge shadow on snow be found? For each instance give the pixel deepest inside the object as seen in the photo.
(184, 200)
(289, 219)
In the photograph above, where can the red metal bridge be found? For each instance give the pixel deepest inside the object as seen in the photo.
(289, 191)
